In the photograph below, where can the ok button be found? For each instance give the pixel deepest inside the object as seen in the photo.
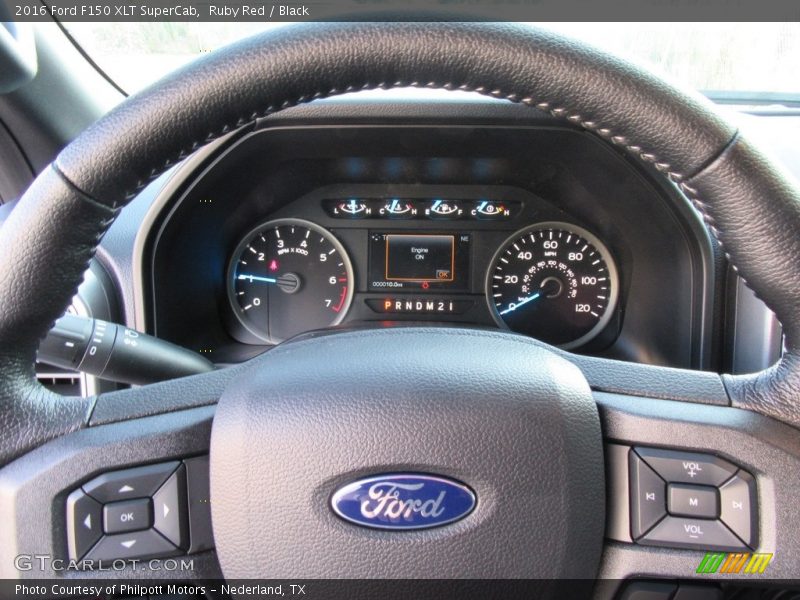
(128, 515)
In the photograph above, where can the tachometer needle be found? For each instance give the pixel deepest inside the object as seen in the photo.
(515, 306)
(252, 278)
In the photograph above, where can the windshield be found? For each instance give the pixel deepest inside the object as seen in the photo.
(739, 62)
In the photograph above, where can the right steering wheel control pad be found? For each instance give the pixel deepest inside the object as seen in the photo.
(691, 500)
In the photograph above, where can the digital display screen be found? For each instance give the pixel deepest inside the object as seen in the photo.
(420, 257)
(419, 261)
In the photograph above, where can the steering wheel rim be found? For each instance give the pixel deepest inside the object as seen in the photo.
(678, 134)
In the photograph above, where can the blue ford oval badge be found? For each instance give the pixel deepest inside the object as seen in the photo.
(403, 501)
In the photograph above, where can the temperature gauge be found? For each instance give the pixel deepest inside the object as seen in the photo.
(397, 208)
(486, 209)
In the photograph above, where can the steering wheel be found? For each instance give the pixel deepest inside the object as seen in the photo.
(513, 419)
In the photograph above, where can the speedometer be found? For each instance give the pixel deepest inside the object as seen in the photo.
(289, 276)
(555, 282)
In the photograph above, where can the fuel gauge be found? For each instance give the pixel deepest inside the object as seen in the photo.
(444, 209)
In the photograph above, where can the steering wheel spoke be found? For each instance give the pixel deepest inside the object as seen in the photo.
(163, 397)
(761, 451)
(56, 497)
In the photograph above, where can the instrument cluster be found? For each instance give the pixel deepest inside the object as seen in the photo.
(552, 280)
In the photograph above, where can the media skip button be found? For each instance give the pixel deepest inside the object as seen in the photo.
(738, 500)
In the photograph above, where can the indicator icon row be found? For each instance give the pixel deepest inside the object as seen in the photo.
(405, 208)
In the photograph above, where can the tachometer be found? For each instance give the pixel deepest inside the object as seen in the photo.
(555, 282)
(288, 276)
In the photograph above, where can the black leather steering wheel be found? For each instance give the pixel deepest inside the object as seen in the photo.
(289, 407)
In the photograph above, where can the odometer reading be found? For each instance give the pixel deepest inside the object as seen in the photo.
(289, 276)
(555, 282)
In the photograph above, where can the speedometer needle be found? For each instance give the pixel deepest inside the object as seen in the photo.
(515, 306)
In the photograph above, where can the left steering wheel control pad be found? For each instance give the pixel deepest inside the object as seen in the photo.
(143, 512)
(350, 465)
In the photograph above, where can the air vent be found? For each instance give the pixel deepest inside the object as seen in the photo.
(65, 383)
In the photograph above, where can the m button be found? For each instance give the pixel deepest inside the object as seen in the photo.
(693, 501)
(128, 515)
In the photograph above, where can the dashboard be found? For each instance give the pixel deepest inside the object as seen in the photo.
(536, 227)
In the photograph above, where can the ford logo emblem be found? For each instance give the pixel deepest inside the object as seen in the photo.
(403, 501)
